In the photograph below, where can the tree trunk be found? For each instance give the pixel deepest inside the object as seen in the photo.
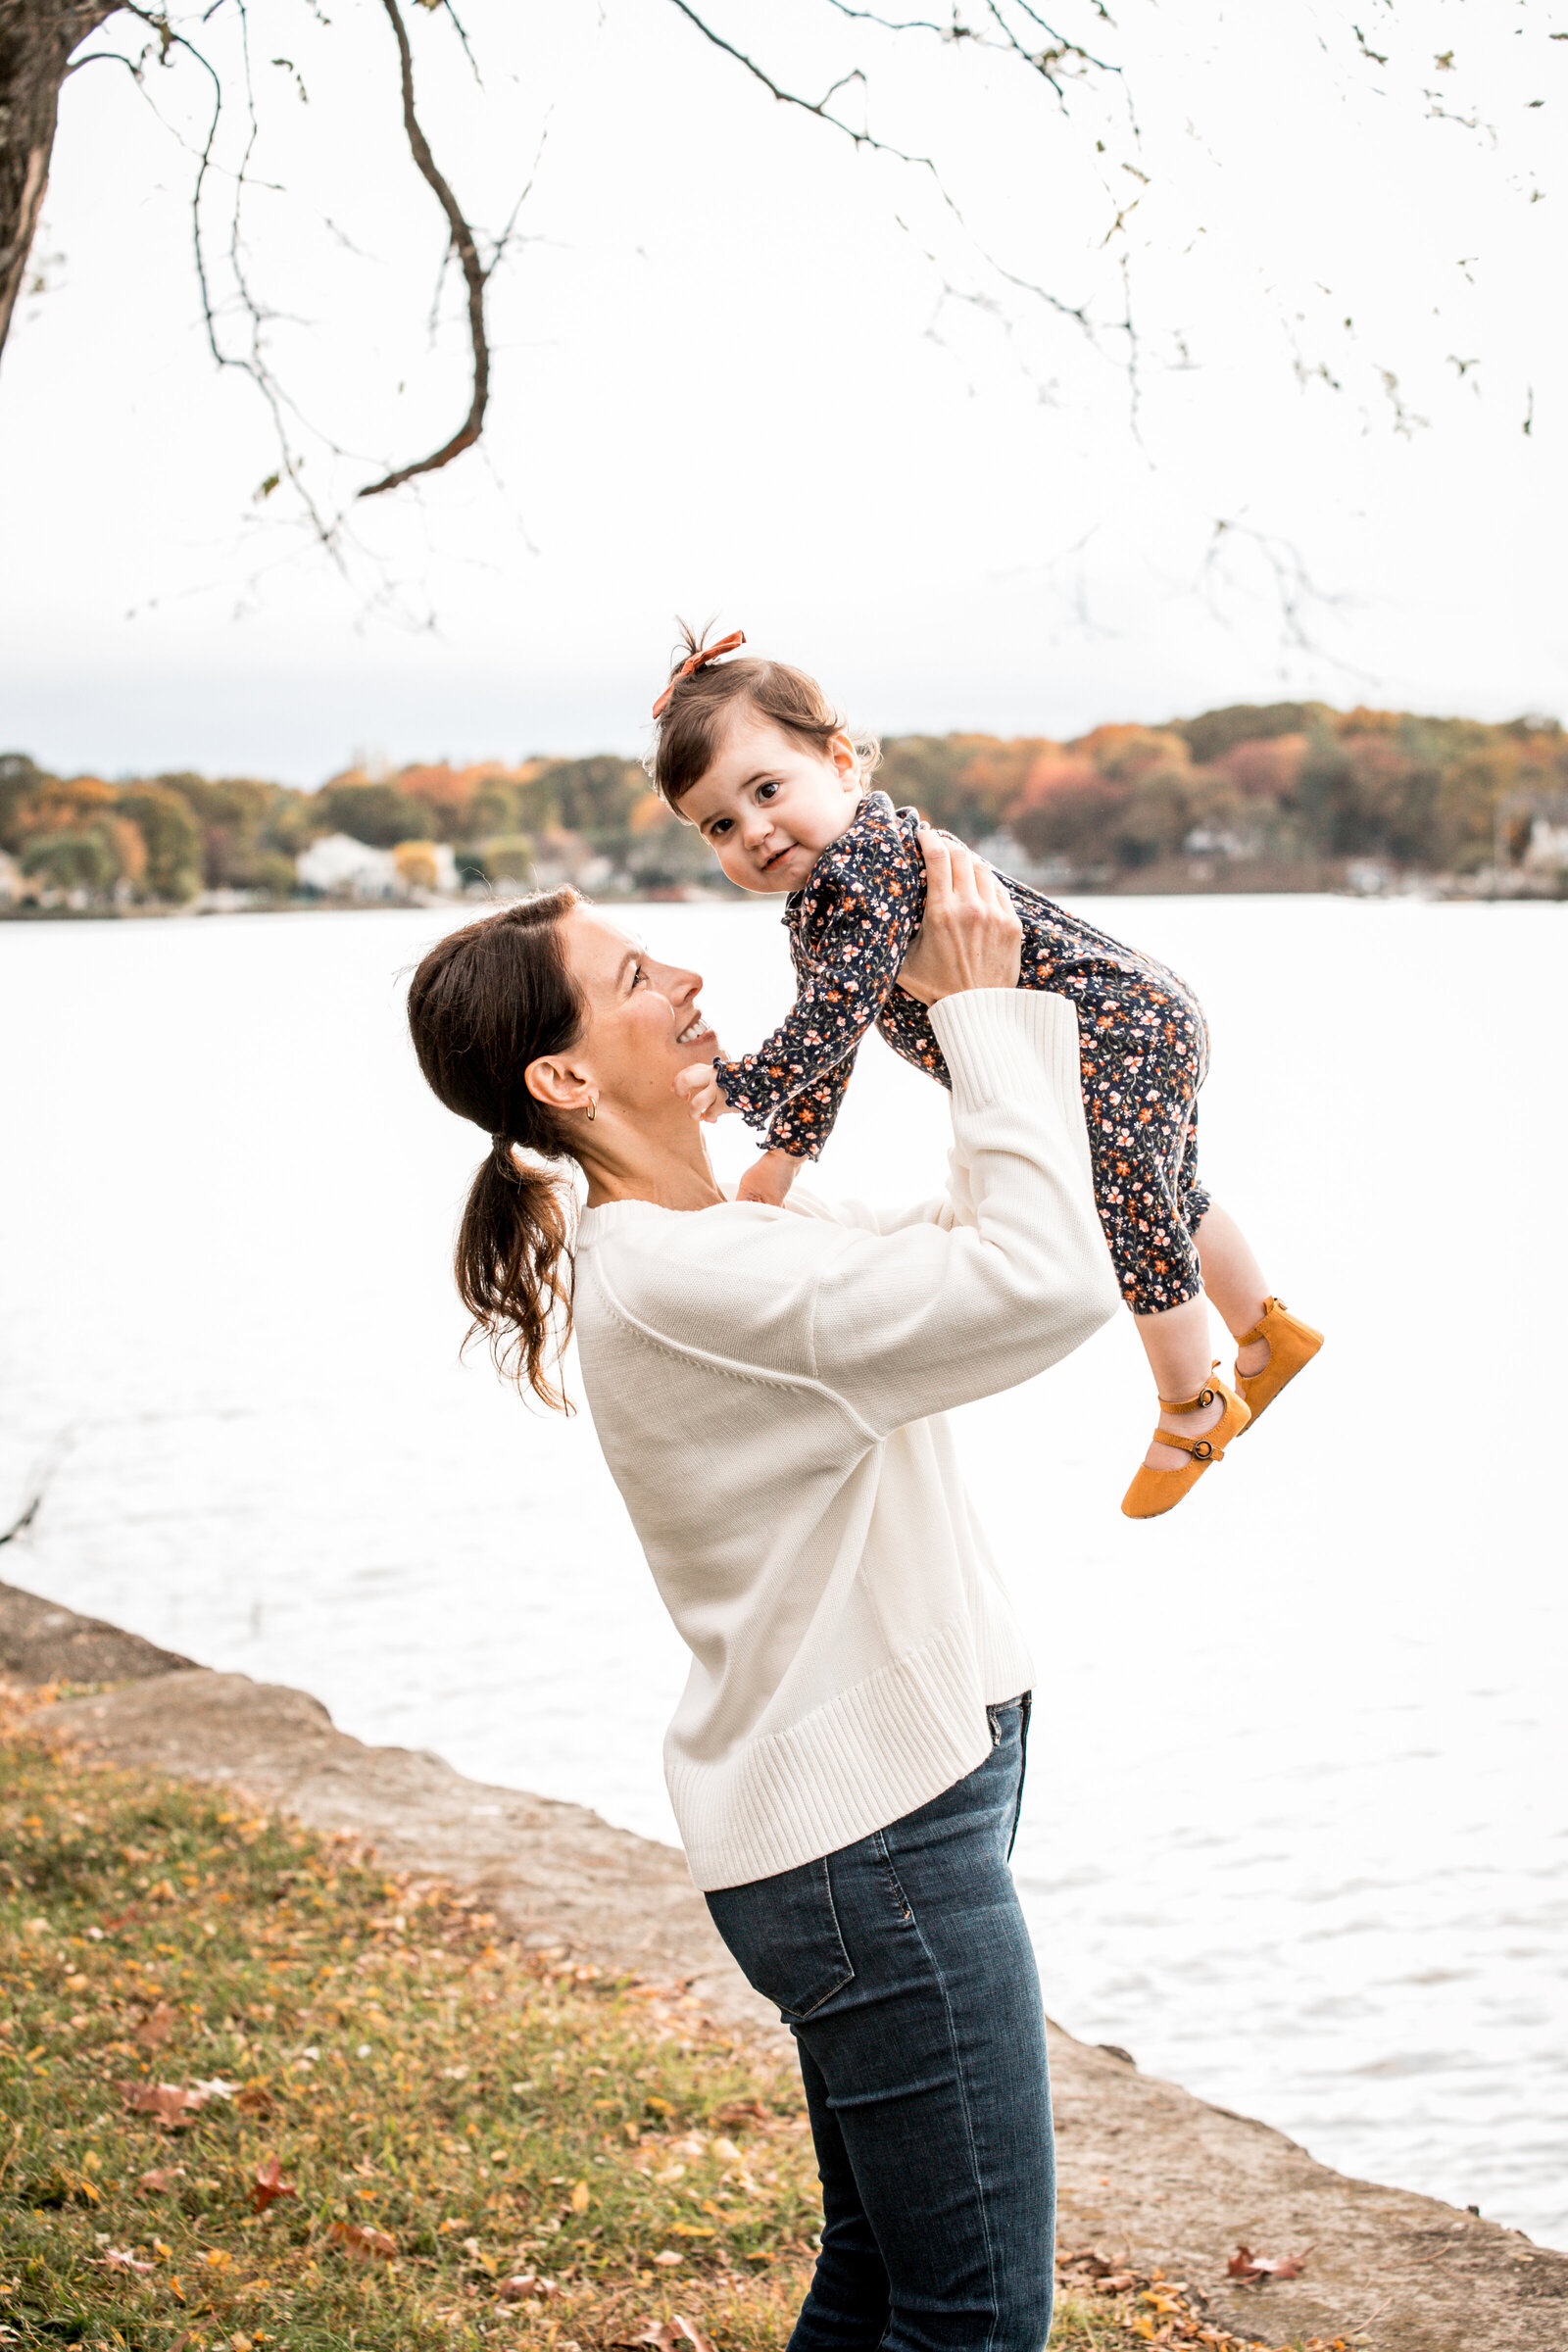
(36, 39)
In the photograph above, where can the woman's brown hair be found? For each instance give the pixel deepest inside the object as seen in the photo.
(484, 1003)
(703, 702)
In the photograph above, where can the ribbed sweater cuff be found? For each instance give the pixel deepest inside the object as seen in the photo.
(1003, 1043)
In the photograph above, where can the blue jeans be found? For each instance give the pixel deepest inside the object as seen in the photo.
(904, 1969)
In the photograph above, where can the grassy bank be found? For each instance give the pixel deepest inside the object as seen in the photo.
(259, 2095)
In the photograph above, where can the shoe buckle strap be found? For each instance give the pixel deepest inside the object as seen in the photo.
(1192, 1404)
(1202, 1449)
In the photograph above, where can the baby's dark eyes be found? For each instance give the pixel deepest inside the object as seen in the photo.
(765, 792)
(720, 824)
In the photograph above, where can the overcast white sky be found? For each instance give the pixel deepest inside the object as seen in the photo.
(727, 382)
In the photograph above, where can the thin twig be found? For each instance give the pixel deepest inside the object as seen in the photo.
(463, 38)
(21, 1525)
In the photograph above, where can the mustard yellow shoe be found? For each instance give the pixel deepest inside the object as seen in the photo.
(1156, 1490)
(1291, 1344)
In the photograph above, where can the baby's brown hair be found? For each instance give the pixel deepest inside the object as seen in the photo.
(695, 710)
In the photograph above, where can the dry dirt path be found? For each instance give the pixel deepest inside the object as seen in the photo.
(1149, 2173)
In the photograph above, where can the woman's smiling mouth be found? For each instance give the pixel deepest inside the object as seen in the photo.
(694, 1028)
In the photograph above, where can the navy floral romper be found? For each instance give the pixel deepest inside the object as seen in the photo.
(1144, 1041)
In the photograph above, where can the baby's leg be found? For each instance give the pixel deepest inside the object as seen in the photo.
(1234, 1280)
(1177, 1344)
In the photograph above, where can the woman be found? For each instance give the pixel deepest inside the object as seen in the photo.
(768, 1385)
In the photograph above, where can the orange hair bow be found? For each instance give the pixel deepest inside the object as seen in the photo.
(709, 653)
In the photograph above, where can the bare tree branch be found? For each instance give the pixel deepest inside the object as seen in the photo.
(819, 107)
(254, 362)
(473, 270)
(951, 31)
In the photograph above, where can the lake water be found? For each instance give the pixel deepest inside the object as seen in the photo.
(1297, 1832)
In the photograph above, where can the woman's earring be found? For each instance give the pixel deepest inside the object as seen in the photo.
(593, 1108)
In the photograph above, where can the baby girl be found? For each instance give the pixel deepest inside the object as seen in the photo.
(755, 755)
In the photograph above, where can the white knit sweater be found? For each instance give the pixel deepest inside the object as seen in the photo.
(770, 1389)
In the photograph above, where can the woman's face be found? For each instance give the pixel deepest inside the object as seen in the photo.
(644, 1020)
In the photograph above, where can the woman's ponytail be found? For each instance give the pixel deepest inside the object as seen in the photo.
(514, 1268)
(485, 1002)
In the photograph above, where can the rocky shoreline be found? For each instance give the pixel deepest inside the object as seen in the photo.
(1154, 2176)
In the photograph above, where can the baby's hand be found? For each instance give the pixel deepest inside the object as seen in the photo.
(769, 1178)
(700, 1091)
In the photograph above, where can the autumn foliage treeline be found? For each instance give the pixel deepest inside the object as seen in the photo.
(1268, 793)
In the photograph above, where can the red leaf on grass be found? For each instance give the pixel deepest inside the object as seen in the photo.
(269, 2185)
(355, 2238)
(165, 2101)
(156, 2027)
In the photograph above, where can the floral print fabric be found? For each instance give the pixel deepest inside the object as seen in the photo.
(1143, 1041)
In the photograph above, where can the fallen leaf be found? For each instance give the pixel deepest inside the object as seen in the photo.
(670, 2255)
(1255, 2269)
(726, 2151)
(120, 2258)
(355, 2238)
(165, 2101)
(269, 2185)
(162, 2178)
(671, 2334)
(157, 2027)
(579, 2198)
(255, 2100)
(525, 2284)
(217, 2088)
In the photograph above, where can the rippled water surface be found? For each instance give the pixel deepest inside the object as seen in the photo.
(1297, 1832)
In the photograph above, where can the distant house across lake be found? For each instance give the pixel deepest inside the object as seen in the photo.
(337, 867)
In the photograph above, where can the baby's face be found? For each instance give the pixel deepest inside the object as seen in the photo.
(768, 807)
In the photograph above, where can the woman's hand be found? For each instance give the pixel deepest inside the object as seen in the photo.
(972, 936)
